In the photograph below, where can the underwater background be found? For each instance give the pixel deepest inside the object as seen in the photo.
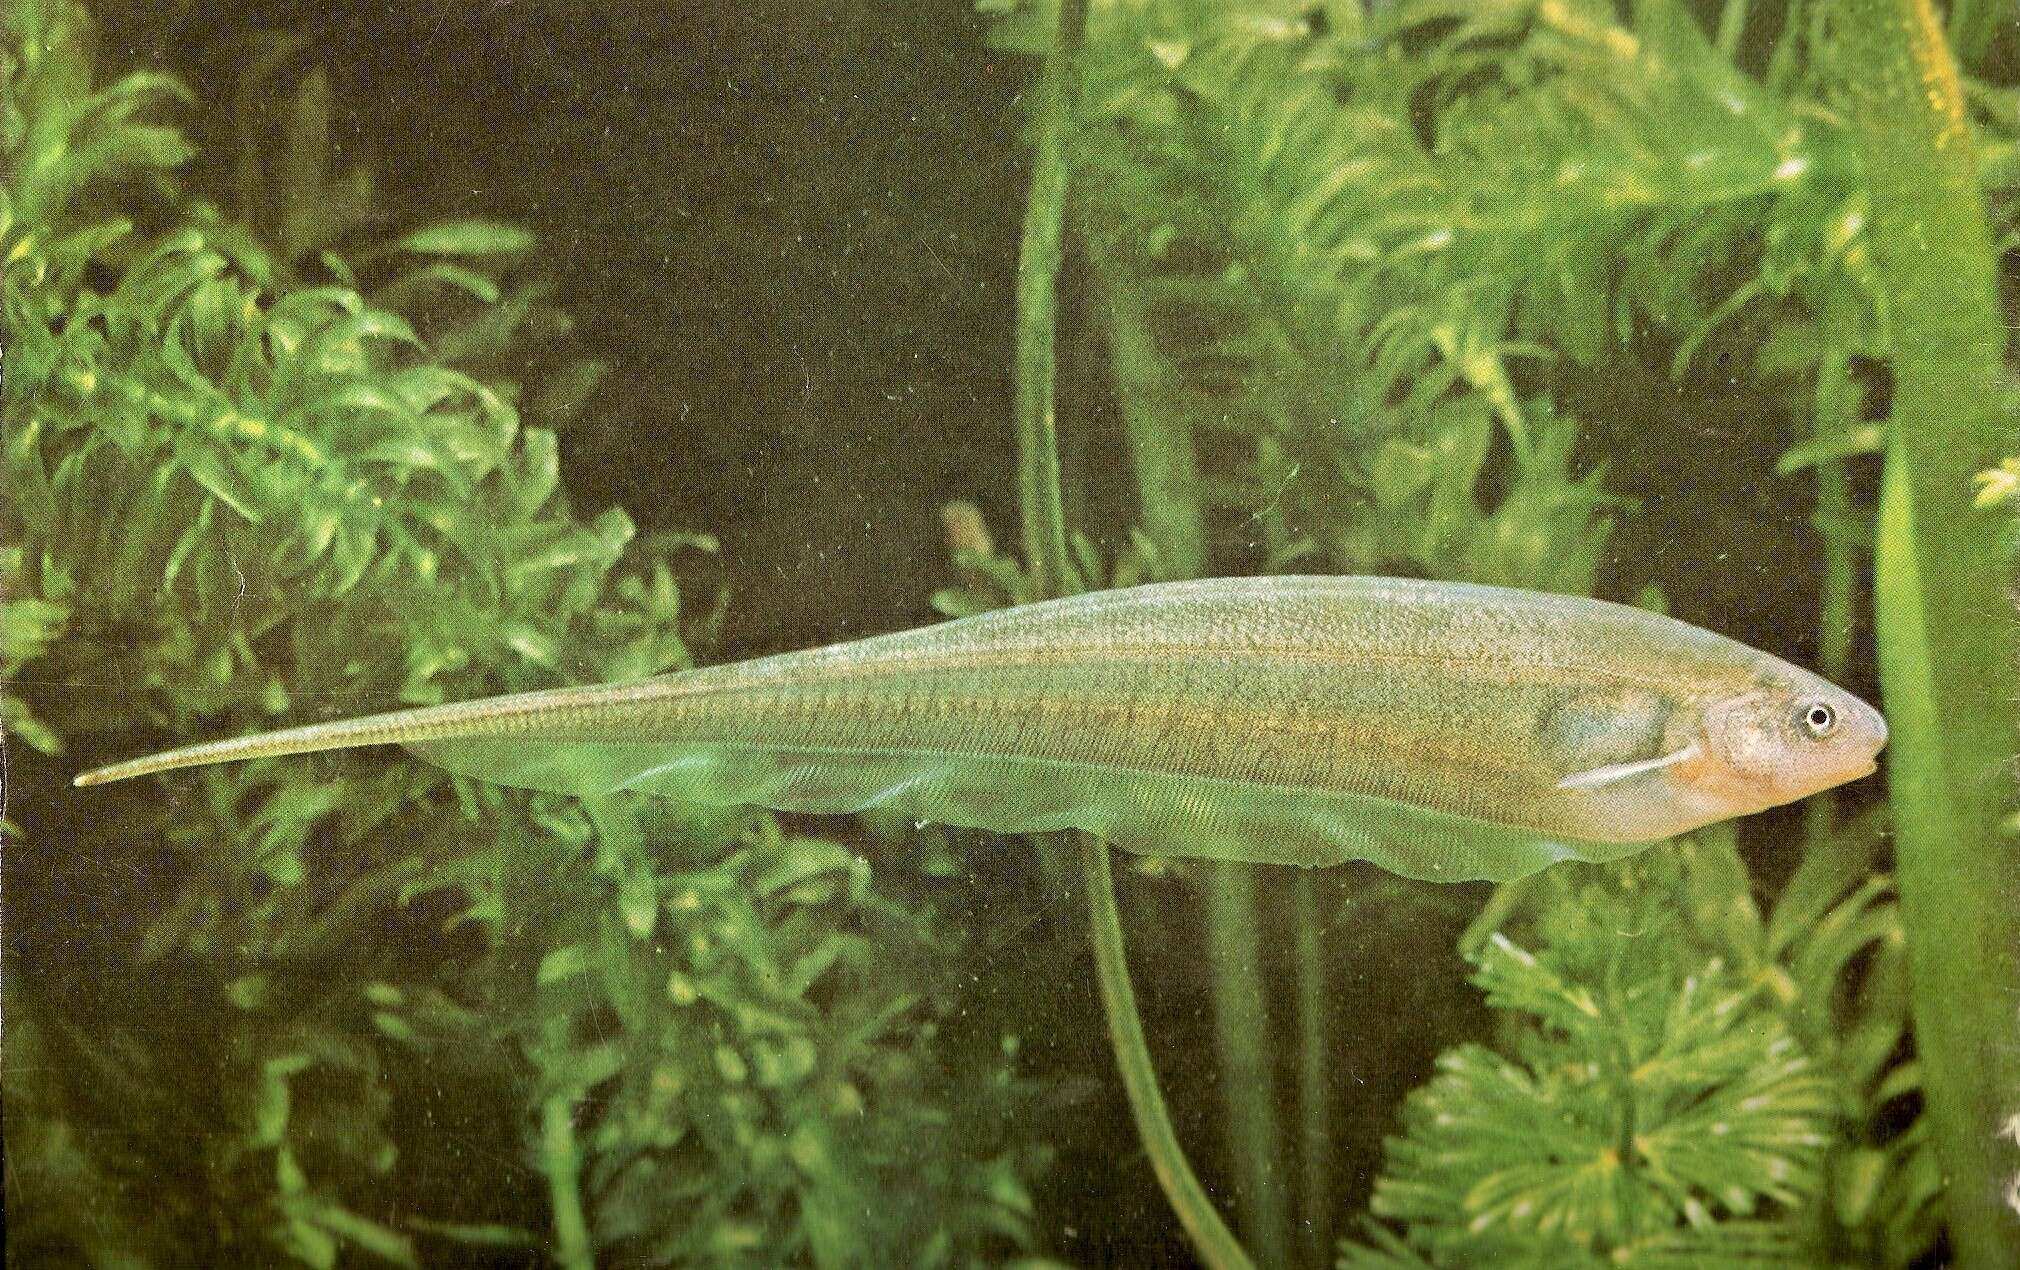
(365, 355)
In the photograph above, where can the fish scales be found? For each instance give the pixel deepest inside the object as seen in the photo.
(1302, 698)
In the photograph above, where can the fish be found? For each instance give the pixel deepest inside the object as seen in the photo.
(1441, 730)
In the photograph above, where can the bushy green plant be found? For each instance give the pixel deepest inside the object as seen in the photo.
(740, 1082)
(1678, 1080)
(1361, 244)
(352, 1009)
(1364, 244)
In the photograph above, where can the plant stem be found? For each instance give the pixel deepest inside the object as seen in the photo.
(1167, 484)
(1315, 1142)
(1160, 440)
(1045, 550)
(1788, 53)
(1836, 402)
(1216, 1245)
(561, 1161)
(1037, 313)
(1315, 1024)
(1837, 399)
(1944, 611)
(1241, 1026)
(1731, 24)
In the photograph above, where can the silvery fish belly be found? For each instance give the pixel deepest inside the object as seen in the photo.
(1441, 730)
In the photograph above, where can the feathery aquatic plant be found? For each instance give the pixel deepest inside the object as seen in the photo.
(260, 468)
(1677, 1081)
(1348, 262)
(1377, 237)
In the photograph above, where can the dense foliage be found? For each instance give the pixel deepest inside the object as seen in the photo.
(1373, 286)
(263, 466)
(1395, 241)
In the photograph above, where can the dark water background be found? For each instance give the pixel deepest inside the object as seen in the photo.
(790, 228)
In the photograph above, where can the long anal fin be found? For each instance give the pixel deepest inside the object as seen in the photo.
(1152, 813)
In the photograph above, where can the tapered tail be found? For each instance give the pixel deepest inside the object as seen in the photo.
(383, 729)
(498, 716)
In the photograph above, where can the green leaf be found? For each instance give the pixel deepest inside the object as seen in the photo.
(1856, 1183)
(477, 1234)
(395, 1027)
(405, 288)
(213, 470)
(1866, 439)
(196, 533)
(270, 1114)
(249, 992)
(468, 238)
(797, 859)
(379, 1240)
(561, 963)
(638, 901)
(311, 1243)
(530, 643)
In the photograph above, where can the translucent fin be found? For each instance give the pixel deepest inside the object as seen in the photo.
(1612, 772)
(1144, 812)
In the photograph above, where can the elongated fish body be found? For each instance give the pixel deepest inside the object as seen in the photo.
(1441, 730)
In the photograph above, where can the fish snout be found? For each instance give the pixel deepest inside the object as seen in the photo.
(1867, 724)
(1870, 726)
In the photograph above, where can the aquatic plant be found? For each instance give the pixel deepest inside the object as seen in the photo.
(265, 466)
(1391, 237)
(1350, 269)
(1679, 1080)
(1949, 639)
(1356, 277)
(1051, 572)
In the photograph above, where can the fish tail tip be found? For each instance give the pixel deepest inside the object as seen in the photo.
(103, 775)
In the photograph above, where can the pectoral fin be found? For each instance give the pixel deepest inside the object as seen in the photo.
(1612, 772)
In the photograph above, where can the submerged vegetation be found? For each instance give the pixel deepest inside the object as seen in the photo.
(1947, 634)
(259, 469)
(1680, 1081)
(1530, 293)
(1356, 271)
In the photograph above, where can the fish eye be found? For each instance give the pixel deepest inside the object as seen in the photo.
(1819, 719)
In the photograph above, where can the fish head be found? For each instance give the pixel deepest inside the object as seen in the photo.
(1787, 736)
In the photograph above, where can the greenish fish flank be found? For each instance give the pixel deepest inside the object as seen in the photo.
(1441, 730)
